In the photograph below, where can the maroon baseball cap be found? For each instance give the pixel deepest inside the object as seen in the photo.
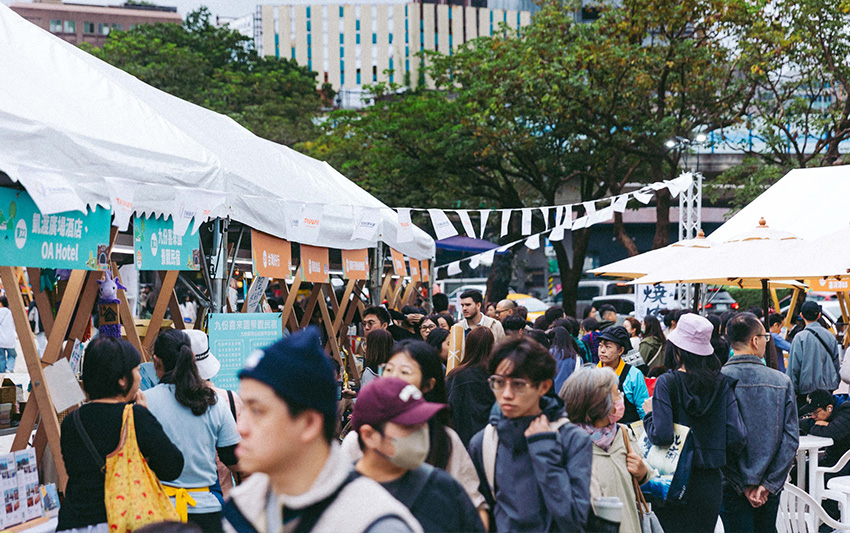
(392, 400)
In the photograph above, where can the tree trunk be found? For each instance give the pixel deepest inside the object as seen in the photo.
(571, 274)
(623, 237)
(662, 219)
(500, 277)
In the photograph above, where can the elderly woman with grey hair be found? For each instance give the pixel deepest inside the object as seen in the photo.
(594, 404)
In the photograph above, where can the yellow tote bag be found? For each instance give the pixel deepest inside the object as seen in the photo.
(134, 496)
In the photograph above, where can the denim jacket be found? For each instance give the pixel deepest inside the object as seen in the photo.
(768, 406)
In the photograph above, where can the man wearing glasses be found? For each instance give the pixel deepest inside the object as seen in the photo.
(533, 464)
(753, 480)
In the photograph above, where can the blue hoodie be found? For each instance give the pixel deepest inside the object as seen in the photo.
(543, 481)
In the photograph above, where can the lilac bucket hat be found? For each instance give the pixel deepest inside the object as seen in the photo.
(693, 334)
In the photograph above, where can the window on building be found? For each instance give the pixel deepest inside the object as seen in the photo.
(308, 11)
(341, 51)
(374, 38)
(341, 11)
(391, 38)
(102, 28)
(70, 26)
(308, 25)
(341, 38)
(293, 52)
(118, 27)
(357, 38)
(358, 76)
(309, 40)
(56, 26)
(88, 28)
(374, 73)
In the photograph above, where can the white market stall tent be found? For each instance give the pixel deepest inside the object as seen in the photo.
(77, 132)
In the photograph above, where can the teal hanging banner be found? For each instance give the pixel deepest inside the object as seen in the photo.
(158, 247)
(235, 336)
(72, 240)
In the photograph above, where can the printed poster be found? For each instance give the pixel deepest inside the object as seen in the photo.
(315, 264)
(272, 256)
(414, 270)
(355, 264)
(425, 270)
(159, 247)
(650, 299)
(234, 336)
(69, 240)
(399, 267)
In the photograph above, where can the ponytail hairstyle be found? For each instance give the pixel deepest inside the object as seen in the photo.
(174, 351)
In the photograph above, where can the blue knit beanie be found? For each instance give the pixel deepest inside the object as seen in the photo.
(298, 370)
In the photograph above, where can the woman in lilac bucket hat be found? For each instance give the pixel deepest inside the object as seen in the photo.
(695, 394)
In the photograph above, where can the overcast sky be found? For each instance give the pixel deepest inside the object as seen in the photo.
(223, 8)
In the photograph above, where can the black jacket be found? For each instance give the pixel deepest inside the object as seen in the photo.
(470, 399)
(838, 430)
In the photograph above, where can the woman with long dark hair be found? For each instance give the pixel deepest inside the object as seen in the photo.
(379, 346)
(417, 363)
(470, 396)
(188, 409)
(439, 340)
(695, 394)
(564, 349)
(111, 380)
(651, 345)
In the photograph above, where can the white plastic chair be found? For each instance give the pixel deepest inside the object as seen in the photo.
(800, 513)
(831, 490)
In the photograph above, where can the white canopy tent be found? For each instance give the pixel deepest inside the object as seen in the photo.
(76, 131)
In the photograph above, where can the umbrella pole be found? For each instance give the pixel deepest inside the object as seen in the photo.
(770, 352)
(695, 305)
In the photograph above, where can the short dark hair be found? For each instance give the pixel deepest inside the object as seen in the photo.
(774, 318)
(382, 314)
(590, 324)
(329, 422)
(606, 308)
(553, 313)
(475, 294)
(450, 321)
(756, 310)
(513, 323)
(527, 358)
(4, 301)
(521, 311)
(538, 336)
(441, 302)
(106, 361)
(742, 327)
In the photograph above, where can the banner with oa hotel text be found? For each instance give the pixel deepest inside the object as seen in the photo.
(72, 240)
(272, 256)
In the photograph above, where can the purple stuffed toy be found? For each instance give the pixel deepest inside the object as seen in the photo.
(107, 299)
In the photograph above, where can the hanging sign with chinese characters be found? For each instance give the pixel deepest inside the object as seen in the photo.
(69, 240)
(651, 299)
(235, 336)
(159, 247)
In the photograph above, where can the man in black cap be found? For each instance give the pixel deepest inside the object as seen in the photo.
(301, 481)
(821, 417)
(615, 341)
(814, 360)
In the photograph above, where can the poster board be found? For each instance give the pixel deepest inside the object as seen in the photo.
(70, 240)
(315, 264)
(234, 336)
(158, 247)
(272, 256)
(425, 270)
(355, 264)
(651, 299)
(414, 270)
(399, 268)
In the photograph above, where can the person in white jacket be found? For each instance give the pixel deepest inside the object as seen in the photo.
(8, 337)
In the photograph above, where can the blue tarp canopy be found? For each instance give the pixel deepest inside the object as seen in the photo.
(460, 243)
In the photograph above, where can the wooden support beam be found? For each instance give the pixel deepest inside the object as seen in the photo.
(386, 286)
(311, 304)
(290, 301)
(394, 300)
(39, 392)
(127, 318)
(409, 291)
(174, 307)
(165, 291)
(63, 317)
(83, 317)
(789, 316)
(343, 305)
(42, 300)
(202, 314)
(328, 325)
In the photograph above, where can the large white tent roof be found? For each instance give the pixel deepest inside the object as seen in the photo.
(76, 131)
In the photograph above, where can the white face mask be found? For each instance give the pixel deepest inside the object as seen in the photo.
(411, 451)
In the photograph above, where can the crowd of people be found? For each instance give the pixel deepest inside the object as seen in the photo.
(529, 432)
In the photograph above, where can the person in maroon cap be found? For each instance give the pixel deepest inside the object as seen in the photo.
(391, 420)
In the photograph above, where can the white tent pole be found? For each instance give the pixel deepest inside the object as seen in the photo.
(219, 271)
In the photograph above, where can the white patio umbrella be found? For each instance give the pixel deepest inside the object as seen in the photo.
(653, 260)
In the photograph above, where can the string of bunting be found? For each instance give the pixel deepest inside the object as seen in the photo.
(444, 228)
(556, 233)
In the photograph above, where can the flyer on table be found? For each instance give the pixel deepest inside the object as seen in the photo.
(69, 240)
(159, 247)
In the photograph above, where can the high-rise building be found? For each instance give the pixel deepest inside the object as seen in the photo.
(360, 43)
(77, 23)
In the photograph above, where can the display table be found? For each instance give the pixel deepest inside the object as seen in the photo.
(811, 445)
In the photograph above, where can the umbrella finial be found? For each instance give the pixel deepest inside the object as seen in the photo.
(700, 234)
(762, 223)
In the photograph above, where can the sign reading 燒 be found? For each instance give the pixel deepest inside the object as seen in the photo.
(69, 240)
(651, 299)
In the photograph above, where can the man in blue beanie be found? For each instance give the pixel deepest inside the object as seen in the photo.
(301, 480)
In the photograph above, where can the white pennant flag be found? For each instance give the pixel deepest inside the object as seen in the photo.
(658, 185)
(487, 257)
(589, 209)
(604, 215)
(453, 269)
(557, 234)
(506, 220)
(442, 225)
(559, 215)
(533, 242)
(643, 196)
(405, 228)
(474, 261)
(367, 222)
(467, 224)
(545, 211)
(526, 221)
(485, 214)
(579, 223)
(620, 203)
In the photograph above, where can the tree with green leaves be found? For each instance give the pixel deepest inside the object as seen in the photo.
(217, 68)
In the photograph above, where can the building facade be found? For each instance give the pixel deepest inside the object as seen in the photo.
(355, 44)
(78, 23)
